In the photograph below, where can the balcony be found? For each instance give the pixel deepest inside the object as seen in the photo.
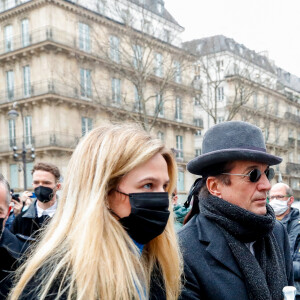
(292, 168)
(292, 117)
(41, 141)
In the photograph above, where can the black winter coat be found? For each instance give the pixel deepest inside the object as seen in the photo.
(27, 223)
(211, 271)
(11, 249)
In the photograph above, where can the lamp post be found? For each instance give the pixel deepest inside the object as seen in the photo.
(22, 155)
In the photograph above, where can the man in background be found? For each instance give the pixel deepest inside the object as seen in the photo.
(45, 183)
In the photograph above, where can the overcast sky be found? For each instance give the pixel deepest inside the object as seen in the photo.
(272, 25)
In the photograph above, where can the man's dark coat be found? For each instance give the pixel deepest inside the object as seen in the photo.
(11, 249)
(211, 271)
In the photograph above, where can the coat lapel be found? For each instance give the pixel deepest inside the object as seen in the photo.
(218, 247)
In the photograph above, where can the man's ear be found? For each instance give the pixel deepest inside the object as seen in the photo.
(291, 200)
(213, 185)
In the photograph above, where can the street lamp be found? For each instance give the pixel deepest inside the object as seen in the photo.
(22, 156)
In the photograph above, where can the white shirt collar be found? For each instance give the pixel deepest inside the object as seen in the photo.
(47, 212)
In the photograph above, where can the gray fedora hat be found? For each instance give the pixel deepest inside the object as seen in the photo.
(229, 141)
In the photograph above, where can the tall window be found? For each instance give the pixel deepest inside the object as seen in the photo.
(220, 119)
(10, 85)
(220, 93)
(266, 102)
(25, 32)
(12, 132)
(85, 83)
(179, 146)
(178, 109)
(180, 181)
(114, 48)
(177, 67)
(86, 125)
(84, 37)
(29, 167)
(255, 100)
(116, 90)
(161, 136)
(26, 81)
(28, 130)
(137, 56)
(158, 64)
(159, 105)
(198, 152)
(137, 100)
(8, 38)
(14, 176)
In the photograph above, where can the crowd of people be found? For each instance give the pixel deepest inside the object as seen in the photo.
(118, 232)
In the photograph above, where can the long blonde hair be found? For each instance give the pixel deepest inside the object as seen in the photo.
(84, 246)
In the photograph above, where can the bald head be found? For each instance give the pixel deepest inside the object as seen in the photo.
(282, 187)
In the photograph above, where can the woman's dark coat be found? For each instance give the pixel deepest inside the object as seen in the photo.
(211, 271)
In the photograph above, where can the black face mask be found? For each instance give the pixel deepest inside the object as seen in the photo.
(1, 224)
(149, 216)
(43, 193)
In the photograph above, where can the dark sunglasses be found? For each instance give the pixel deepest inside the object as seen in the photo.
(255, 174)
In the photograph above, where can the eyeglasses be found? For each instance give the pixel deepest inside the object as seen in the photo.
(255, 174)
(278, 197)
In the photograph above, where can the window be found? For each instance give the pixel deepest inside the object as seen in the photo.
(160, 7)
(295, 184)
(137, 56)
(266, 134)
(84, 37)
(197, 100)
(276, 134)
(26, 81)
(198, 122)
(178, 109)
(159, 105)
(161, 136)
(114, 48)
(220, 65)
(179, 146)
(266, 102)
(29, 167)
(220, 120)
(291, 133)
(25, 32)
(220, 93)
(180, 181)
(291, 157)
(198, 133)
(167, 35)
(137, 100)
(10, 85)
(116, 90)
(198, 152)
(8, 38)
(255, 100)
(158, 64)
(276, 108)
(12, 132)
(85, 83)
(28, 130)
(177, 67)
(14, 176)
(86, 125)
(101, 6)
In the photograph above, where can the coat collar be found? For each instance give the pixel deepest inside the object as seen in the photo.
(31, 211)
(217, 245)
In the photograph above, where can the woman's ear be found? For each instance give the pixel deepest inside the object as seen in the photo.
(213, 186)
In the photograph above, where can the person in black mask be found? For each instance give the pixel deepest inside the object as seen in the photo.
(11, 247)
(45, 184)
(112, 236)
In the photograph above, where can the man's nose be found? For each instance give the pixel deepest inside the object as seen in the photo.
(264, 183)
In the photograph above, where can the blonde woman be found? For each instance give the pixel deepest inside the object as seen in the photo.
(111, 237)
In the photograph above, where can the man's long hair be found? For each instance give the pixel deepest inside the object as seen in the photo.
(85, 251)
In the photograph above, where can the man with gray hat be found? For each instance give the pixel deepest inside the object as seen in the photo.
(232, 245)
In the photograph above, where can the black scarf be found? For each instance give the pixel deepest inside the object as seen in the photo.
(264, 273)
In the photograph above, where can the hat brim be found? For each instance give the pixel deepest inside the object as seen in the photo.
(198, 164)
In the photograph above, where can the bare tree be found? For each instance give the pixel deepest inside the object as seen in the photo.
(146, 62)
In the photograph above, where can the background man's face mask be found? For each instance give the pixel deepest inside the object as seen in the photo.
(279, 206)
(44, 194)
